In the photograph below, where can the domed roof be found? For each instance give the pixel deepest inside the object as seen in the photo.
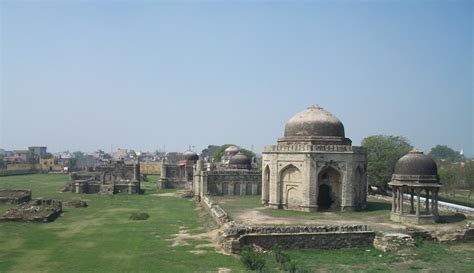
(239, 159)
(314, 121)
(190, 156)
(232, 148)
(416, 163)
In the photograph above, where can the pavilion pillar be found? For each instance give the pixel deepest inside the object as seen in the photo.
(401, 200)
(417, 202)
(436, 201)
(412, 207)
(394, 196)
(427, 201)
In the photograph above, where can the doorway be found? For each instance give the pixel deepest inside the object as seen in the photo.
(324, 197)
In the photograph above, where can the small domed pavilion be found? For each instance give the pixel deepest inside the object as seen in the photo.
(415, 174)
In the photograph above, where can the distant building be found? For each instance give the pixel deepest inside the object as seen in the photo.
(120, 154)
(52, 165)
(38, 150)
(21, 156)
(150, 167)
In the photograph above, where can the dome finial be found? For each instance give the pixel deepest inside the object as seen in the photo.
(315, 107)
(416, 151)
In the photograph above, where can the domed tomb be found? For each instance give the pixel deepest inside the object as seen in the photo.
(240, 161)
(415, 174)
(314, 167)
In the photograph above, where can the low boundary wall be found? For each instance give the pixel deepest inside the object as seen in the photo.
(235, 236)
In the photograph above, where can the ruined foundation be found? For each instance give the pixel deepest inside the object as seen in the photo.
(41, 210)
(14, 196)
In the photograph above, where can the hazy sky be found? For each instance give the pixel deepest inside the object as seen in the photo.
(101, 74)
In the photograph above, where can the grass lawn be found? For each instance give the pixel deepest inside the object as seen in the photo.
(100, 238)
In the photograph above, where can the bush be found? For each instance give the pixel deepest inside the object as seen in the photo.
(139, 216)
(418, 241)
(285, 261)
(252, 260)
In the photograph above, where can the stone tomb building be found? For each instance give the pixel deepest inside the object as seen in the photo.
(314, 167)
(415, 174)
(235, 177)
(178, 174)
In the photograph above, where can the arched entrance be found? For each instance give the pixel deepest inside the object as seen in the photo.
(329, 189)
(324, 197)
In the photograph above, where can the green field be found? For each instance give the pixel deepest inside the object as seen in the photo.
(100, 238)
(175, 238)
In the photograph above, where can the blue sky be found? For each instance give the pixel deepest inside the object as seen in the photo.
(101, 74)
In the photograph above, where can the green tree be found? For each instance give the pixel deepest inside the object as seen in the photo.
(468, 177)
(209, 151)
(443, 152)
(448, 178)
(382, 154)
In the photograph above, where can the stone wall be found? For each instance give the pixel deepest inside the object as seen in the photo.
(219, 214)
(299, 237)
(228, 182)
(235, 236)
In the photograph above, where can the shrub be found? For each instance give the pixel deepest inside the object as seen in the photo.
(252, 260)
(418, 241)
(139, 216)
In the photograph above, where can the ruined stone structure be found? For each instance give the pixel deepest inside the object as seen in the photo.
(41, 210)
(314, 166)
(179, 174)
(14, 196)
(297, 237)
(414, 174)
(235, 177)
(115, 178)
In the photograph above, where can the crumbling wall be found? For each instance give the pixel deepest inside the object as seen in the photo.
(9, 196)
(219, 214)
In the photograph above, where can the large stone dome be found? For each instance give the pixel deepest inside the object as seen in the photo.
(190, 156)
(314, 122)
(416, 163)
